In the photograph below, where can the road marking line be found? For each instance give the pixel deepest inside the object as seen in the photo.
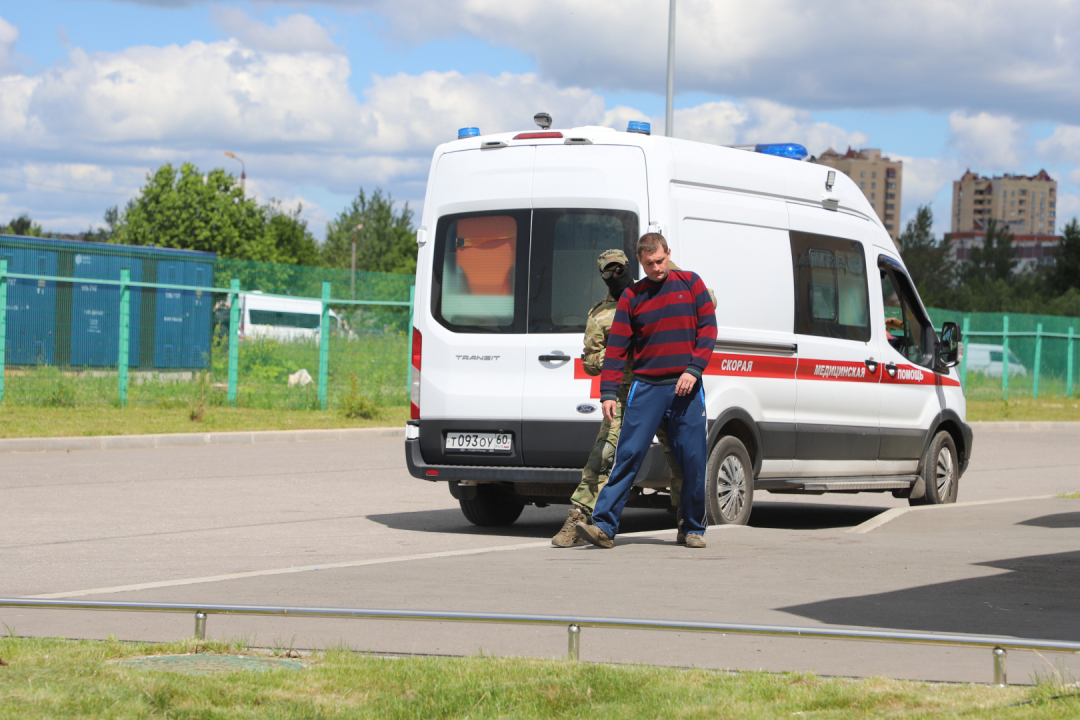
(309, 568)
(889, 515)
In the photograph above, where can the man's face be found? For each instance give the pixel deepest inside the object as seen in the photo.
(655, 264)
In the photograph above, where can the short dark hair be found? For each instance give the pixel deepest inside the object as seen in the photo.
(650, 243)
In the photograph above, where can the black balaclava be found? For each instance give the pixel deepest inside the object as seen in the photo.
(617, 283)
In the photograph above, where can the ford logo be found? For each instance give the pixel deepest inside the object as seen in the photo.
(586, 409)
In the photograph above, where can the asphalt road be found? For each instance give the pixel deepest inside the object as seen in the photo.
(343, 524)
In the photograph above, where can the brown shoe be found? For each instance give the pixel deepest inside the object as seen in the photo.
(594, 535)
(566, 537)
(680, 536)
(693, 540)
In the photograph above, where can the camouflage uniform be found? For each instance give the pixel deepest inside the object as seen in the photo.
(595, 473)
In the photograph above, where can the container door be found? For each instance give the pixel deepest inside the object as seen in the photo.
(169, 325)
(837, 391)
(471, 308)
(586, 199)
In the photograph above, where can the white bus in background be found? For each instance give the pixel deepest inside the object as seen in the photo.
(282, 319)
(987, 359)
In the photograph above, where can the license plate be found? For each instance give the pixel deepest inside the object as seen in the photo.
(479, 442)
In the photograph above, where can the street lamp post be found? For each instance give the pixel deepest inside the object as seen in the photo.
(669, 124)
(355, 229)
(243, 168)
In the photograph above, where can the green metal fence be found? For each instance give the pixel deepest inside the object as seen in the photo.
(89, 324)
(1013, 355)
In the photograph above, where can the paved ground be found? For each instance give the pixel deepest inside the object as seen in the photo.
(250, 524)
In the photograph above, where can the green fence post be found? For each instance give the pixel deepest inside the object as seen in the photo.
(1068, 366)
(324, 342)
(963, 358)
(125, 335)
(1005, 358)
(3, 324)
(1038, 358)
(234, 337)
(412, 301)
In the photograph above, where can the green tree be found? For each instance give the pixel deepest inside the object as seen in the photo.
(387, 242)
(23, 225)
(290, 236)
(995, 260)
(105, 234)
(192, 211)
(1066, 273)
(928, 260)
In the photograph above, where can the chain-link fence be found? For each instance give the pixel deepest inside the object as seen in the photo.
(1013, 355)
(94, 324)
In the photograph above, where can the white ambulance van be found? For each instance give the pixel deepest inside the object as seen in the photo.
(809, 390)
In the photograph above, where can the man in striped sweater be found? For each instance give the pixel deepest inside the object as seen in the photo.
(669, 322)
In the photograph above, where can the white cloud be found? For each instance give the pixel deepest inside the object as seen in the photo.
(292, 34)
(9, 35)
(1068, 208)
(1063, 144)
(987, 142)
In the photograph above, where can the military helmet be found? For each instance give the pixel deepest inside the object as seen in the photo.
(612, 256)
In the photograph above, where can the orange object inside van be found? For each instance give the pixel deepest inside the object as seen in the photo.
(486, 252)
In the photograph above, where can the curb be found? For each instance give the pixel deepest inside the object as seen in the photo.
(1005, 425)
(126, 442)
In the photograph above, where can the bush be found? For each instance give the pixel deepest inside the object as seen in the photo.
(355, 405)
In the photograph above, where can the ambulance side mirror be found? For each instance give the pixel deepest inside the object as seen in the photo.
(948, 348)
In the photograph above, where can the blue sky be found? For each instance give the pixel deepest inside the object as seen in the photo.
(322, 98)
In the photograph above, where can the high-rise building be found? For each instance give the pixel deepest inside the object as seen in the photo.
(1027, 204)
(878, 177)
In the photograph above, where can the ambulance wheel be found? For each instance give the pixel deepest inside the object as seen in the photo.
(729, 483)
(491, 506)
(940, 472)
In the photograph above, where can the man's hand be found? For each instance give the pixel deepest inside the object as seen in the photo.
(685, 384)
(609, 410)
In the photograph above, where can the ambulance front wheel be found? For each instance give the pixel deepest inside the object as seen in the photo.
(490, 506)
(940, 472)
(729, 483)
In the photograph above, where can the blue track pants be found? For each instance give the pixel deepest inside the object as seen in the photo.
(684, 416)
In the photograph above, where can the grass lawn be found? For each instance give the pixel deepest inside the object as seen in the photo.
(28, 421)
(50, 678)
(1025, 410)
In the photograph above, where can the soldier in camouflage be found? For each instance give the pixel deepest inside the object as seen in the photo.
(613, 269)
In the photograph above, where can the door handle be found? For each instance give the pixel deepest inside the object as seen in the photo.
(555, 358)
(891, 369)
(871, 365)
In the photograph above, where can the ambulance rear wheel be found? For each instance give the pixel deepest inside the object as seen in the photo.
(491, 506)
(940, 472)
(729, 483)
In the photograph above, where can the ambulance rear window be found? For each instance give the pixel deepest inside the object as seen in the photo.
(479, 274)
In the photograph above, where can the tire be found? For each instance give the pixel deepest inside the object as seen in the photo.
(940, 472)
(729, 483)
(491, 507)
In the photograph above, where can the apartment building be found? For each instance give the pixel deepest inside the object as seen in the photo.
(1031, 251)
(1027, 203)
(878, 177)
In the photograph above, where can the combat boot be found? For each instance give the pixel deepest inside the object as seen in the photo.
(593, 534)
(566, 536)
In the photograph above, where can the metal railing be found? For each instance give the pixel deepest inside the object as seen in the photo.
(1000, 645)
(125, 284)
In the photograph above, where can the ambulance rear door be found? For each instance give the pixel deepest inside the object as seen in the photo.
(586, 199)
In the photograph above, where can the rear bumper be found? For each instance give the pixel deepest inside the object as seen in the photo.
(652, 468)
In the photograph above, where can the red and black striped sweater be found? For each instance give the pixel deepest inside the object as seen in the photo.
(671, 326)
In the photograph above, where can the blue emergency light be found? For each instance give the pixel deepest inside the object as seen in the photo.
(468, 133)
(636, 126)
(786, 150)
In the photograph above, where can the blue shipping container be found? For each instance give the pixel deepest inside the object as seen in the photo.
(182, 322)
(31, 307)
(95, 310)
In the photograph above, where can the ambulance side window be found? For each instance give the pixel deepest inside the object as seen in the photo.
(831, 295)
(478, 274)
(908, 330)
(564, 281)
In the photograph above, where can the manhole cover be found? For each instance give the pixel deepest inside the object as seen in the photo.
(207, 664)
